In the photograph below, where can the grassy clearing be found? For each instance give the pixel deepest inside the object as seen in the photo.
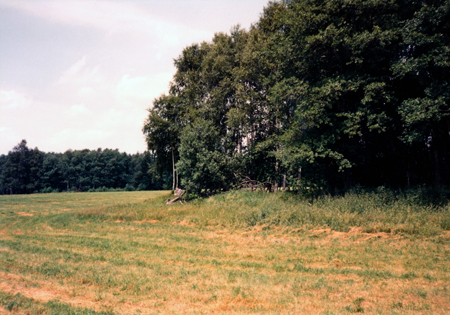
(236, 253)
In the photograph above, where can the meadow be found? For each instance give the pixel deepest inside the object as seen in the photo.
(234, 253)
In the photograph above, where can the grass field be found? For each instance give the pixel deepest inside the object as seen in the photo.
(236, 253)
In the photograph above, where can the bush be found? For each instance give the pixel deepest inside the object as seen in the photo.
(141, 187)
(48, 190)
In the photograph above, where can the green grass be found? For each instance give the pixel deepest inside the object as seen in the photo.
(372, 212)
(240, 252)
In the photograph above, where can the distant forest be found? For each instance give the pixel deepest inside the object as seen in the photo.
(317, 95)
(24, 170)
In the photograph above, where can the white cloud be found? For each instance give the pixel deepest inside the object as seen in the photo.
(78, 139)
(86, 91)
(79, 110)
(111, 17)
(85, 84)
(142, 88)
(104, 15)
(80, 75)
(74, 69)
(12, 99)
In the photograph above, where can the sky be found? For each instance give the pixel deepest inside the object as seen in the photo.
(82, 74)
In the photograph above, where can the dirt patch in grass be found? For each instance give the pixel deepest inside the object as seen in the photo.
(185, 223)
(146, 221)
(354, 231)
(17, 284)
(320, 231)
(250, 238)
(42, 291)
(24, 214)
(39, 294)
(283, 237)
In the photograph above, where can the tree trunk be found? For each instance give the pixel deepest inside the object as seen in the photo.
(239, 142)
(168, 202)
(173, 171)
(437, 169)
(299, 180)
(276, 175)
(408, 170)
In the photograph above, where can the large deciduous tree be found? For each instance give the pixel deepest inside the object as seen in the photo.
(203, 163)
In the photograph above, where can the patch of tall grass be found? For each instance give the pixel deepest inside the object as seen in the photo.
(381, 210)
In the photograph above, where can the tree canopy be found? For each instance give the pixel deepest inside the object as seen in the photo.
(347, 92)
(24, 170)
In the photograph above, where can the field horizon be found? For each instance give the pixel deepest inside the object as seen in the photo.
(234, 253)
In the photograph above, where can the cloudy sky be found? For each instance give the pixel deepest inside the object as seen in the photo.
(81, 74)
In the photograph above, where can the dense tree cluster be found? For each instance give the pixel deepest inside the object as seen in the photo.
(326, 94)
(26, 170)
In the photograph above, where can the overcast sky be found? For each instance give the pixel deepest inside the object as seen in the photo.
(81, 74)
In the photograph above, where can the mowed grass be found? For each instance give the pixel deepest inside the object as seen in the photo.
(235, 253)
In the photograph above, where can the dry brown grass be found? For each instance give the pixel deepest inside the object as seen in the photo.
(152, 266)
(323, 288)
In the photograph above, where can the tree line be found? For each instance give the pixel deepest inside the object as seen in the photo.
(24, 170)
(315, 95)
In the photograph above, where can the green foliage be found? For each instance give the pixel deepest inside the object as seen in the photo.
(26, 170)
(21, 171)
(202, 164)
(350, 92)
